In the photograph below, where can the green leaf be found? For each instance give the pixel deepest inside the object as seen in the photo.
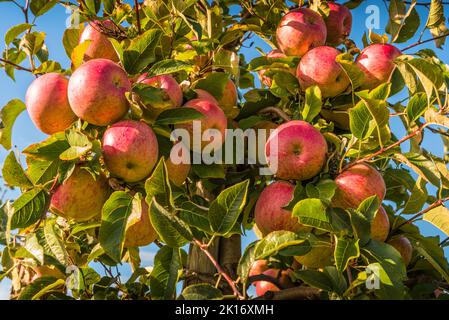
(39, 7)
(43, 171)
(277, 241)
(439, 217)
(418, 197)
(436, 14)
(201, 291)
(9, 114)
(368, 208)
(353, 72)
(433, 117)
(70, 40)
(226, 208)
(158, 186)
(178, 115)
(93, 6)
(114, 218)
(346, 249)
(169, 66)
(152, 96)
(140, 52)
(423, 166)
(214, 83)
(211, 171)
(78, 52)
(313, 103)
(360, 121)
(316, 279)
(79, 146)
(32, 42)
(15, 31)
(82, 279)
(195, 216)
(33, 248)
(29, 208)
(416, 106)
(39, 287)
(49, 149)
(52, 242)
(13, 173)
(312, 212)
(428, 73)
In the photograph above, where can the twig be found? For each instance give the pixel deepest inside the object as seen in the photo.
(217, 266)
(417, 43)
(136, 7)
(18, 67)
(264, 277)
(430, 207)
(281, 114)
(295, 293)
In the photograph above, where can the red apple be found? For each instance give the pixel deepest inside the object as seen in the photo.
(338, 23)
(48, 105)
(81, 196)
(281, 275)
(97, 92)
(357, 183)
(318, 67)
(377, 63)
(269, 212)
(299, 148)
(404, 247)
(258, 267)
(380, 226)
(139, 230)
(168, 84)
(275, 54)
(100, 47)
(299, 31)
(130, 150)
(203, 94)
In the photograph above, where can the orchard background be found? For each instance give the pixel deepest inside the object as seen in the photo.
(428, 277)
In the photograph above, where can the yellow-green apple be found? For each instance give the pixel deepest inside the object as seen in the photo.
(357, 183)
(99, 46)
(81, 196)
(269, 212)
(377, 64)
(97, 92)
(274, 54)
(338, 23)
(380, 226)
(168, 84)
(48, 105)
(299, 31)
(297, 149)
(139, 230)
(130, 150)
(319, 256)
(404, 247)
(318, 67)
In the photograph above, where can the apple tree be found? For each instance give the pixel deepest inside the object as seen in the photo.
(343, 123)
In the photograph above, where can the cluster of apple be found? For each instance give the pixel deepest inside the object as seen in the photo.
(301, 149)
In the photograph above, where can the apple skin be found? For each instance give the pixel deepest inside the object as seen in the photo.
(338, 23)
(47, 103)
(80, 197)
(214, 118)
(97, 92)
(301, 150)
(380, 226)
(229, 98)
(100, 46)
(203, 94)
(130, 150)
(258, 267)
(283, 277)
(269, 212)
(177, 173)
(357, 183)
(274, 54)
(168, 84)
(404, 247)
(318, 67)
(377, 64)
(299, 31)
(139, 230)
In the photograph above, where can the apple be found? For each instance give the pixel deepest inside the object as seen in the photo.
(203, 94)
(274, 54)
(100, 47)
(319, 256)
(168, 84)
(47, 103)
(97, 92)
(229, 98)
(380, 226)
(404, 247)
(300, 150)
(139, 230)
(338, 23)
(177, 173)
(318, 67)
(258, 267)
(214, 118)
(281, 275)
(81, 196)
(377, 64)
(299, 31)
(269, 212)
(130, 150)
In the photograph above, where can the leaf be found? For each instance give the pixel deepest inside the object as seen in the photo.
(439, 217)
(9, 114)
(360, 121)
(416, 106)
(39, 7)
(78, 52)
(277, 241)
(32, 42)
(423, 166)
(226, 208)
(195, 216)
(312, 212)
(428, 74)
(158, 186)
(316, 279)
(433, 117)
(211, 171)
(49, 149)
(15, 31)
(201, 291)
(214, 83)
(34, 248)
(436, 14)
(178, 115)
(313, 103)
(353, 72)
(13, 173)
(418, 197)
(114, 217)
(140, 52)
(346, 249)
(29, 208)
(169, 66)
(53, 243)
(82, 279)
(70, 40)
(79, 146)
(369, 207)
(39, 287)
(42, 171)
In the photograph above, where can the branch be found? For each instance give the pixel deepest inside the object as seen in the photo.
(417, 43)
(136, 7)
(231, 283)
(264, 277)
(430, 207)
(295, 293)
(18, 67)
(281, 114)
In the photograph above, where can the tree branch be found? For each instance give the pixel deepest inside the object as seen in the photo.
(430, 207)
(264, 277)
(295, 293)
(18, 67)
(281, 114)
(136, 7)
(417, 43)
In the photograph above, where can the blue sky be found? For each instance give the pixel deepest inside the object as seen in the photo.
(53, 24)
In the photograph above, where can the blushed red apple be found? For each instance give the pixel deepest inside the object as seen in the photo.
(100, 47)
(380, 226)
(404, 247)
(281, 275)
(338, 23)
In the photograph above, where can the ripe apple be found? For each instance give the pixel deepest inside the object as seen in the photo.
(281, 275)
(130, 150)
(357, 183)
(203, 94)
(299, 31)
(177, 173)
(100, 47)
(300, 150)
(47, 103)
(97, 92)
(274, 54)
(319, 256)
(318, 67)
(377, 63)
(338, 23)
(139, 230)
(380, 226)
(214, 118)
(81, 196)
(168, 84)
(404, 247)
(269, 212)
(258, 267)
